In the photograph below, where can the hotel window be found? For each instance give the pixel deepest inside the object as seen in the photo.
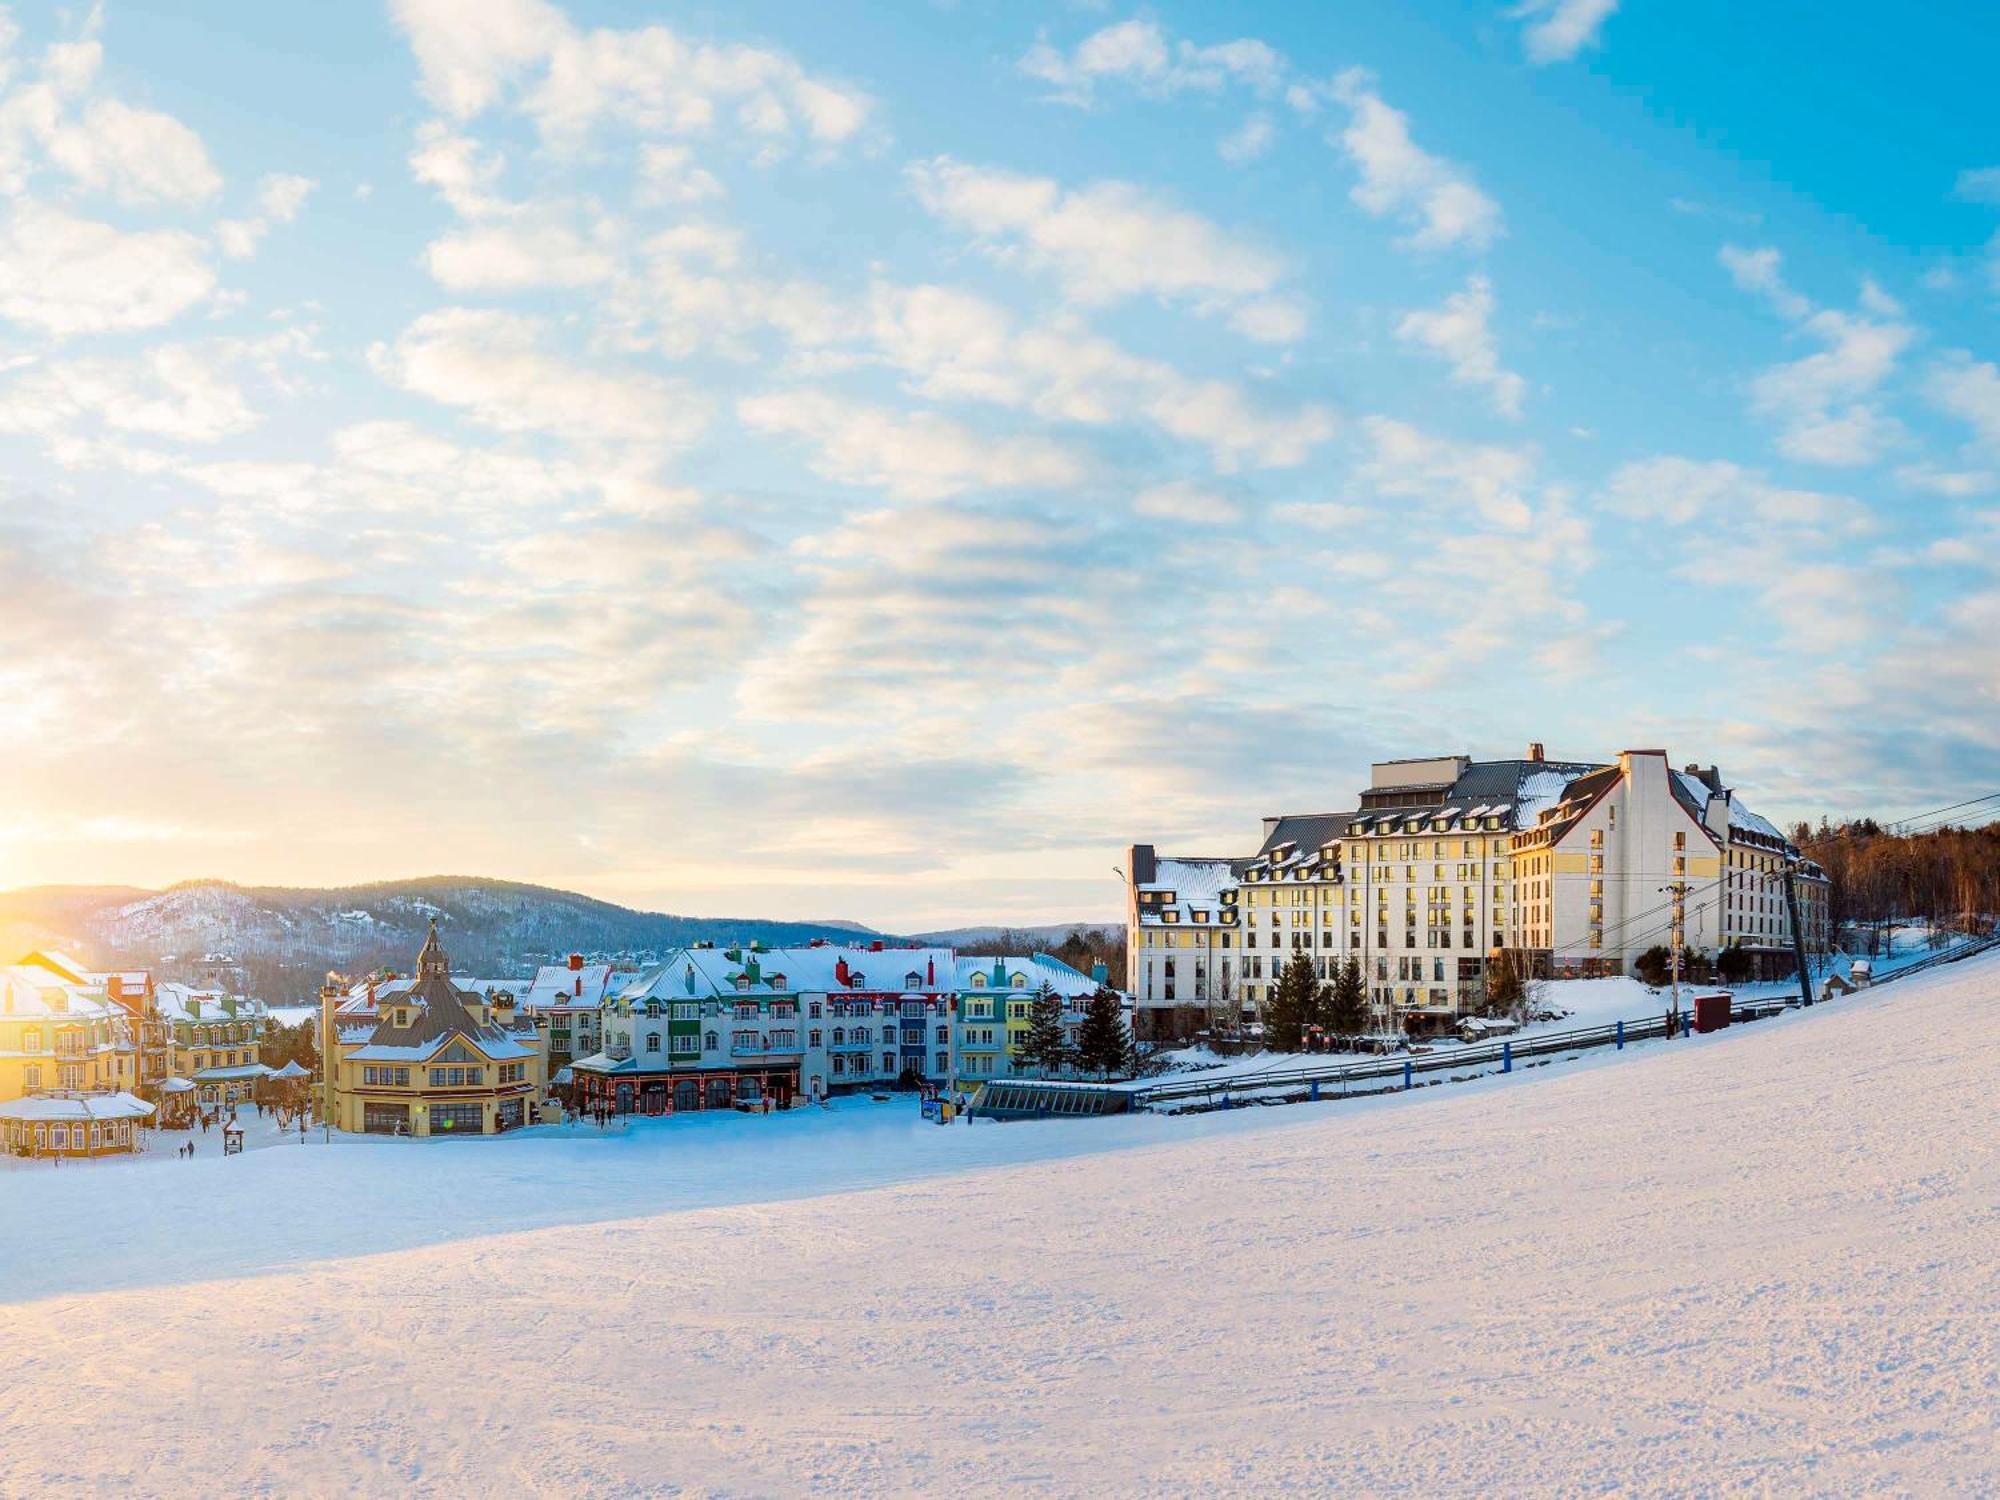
(653, 1042)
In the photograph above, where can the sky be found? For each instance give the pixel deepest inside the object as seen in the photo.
(878, 460)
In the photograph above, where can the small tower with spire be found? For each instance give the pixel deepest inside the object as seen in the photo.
(432, 959)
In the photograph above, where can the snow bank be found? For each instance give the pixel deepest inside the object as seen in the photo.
(1757, 1262)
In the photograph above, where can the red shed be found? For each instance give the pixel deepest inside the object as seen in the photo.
(1711, 1012)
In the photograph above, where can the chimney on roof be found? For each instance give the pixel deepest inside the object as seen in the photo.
(1708, 776)
(1535, 751)
(575, 962)
(840, 971)
(578, 991)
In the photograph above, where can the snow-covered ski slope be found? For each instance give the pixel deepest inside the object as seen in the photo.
(1766, 1261)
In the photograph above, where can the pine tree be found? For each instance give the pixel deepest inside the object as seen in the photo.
(1347, 1004)
(1042, 1047)
(1102, 1047)
(1505, 993)
(1296, 1005)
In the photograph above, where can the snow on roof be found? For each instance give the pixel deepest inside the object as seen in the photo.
(204, 1005)
(229, 1075)
(1197, 885)
(36, 993)
(119, 1106)
(556, 987)
(1741, 817)
(1540, 790)
(712, 973)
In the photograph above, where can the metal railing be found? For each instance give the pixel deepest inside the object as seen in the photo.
(1406, 1066)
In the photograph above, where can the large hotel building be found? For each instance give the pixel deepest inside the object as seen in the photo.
(1572, 868)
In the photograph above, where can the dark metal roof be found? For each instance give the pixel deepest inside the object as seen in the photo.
(1309, 831)
(438, 1007)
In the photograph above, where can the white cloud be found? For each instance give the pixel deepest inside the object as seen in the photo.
(493, 366)
(1105, 242)
(1758, 271)
(668, 174)
(1821, 402)
(1248, 141)
(138, 156)
(280, 196)
(1183, 500)
(1817, 400)
(1461, 331)
(1717, 494)
(516, 257)
(177, 392)
(913, 456)
(1490, 480)
(64, 276)
(1559, 29)
(1978, 185)
(472, 53)
(1439, 200)
(1137, 52)
(1969, 389)
(956, 346)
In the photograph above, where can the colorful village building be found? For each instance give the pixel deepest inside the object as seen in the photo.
(996, 998)
(715, 1028)
(567, 999)
(430, 1058)
(64, 1124)
(69, 1060)
(214, 1040)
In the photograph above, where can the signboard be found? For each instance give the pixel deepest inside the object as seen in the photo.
(930, 1107)
(232, 1142)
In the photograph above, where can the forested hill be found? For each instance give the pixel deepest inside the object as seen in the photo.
(279, 942)
(1950, 876)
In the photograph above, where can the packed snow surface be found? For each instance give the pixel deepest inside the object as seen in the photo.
(1760, 1261)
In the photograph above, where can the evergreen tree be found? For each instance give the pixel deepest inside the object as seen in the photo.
(1505, 993)
(1347, 1005)
(1297, 1003)
(1102, 1046)
(1042, 1047)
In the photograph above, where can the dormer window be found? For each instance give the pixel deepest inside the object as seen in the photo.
(652, 1010)
(742, 983)
(1020, 981)
(979, 981)
(777, 981)
(856, 981)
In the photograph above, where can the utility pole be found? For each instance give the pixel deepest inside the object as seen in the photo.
(1679, 892)
(1798, 933)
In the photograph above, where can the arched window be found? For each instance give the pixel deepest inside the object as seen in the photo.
(711, 1041)
(839, 1035)
(653, 1012)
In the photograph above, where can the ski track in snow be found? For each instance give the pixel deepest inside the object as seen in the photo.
(1762, 1262)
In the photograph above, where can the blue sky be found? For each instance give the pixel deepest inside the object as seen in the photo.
(877, 460)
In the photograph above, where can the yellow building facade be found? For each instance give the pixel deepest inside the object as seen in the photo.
(429, 1060)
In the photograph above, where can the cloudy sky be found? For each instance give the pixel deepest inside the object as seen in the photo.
(875, 460)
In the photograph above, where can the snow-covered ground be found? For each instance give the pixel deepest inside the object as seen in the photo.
(1758, 1261)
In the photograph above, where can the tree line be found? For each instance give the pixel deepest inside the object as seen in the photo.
(1949, 877)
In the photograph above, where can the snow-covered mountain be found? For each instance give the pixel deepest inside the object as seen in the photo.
(279, 942)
